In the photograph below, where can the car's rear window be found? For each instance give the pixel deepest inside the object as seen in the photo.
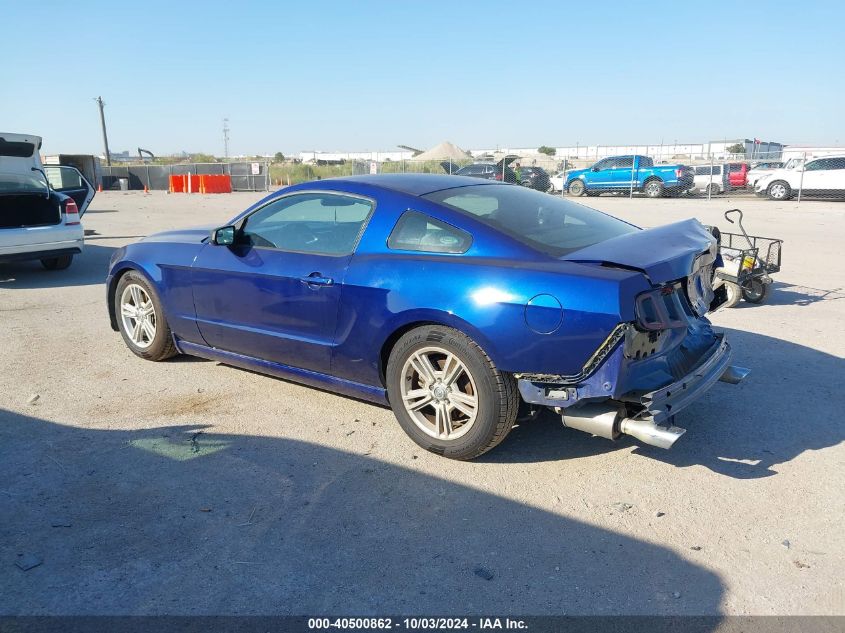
(16, 149)
(549, 224)
(18, 183)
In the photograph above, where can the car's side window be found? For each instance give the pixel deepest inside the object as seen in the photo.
(625, 162)
(320, 222)
(816, 165)
(416, 231)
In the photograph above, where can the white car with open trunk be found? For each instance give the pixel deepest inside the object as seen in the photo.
(40, 206)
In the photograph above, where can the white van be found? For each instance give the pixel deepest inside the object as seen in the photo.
(40, 207)
(717, 182)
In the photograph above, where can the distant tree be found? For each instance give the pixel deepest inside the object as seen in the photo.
(738, 148)
(279, 157)
(202, 158)
(548, 151)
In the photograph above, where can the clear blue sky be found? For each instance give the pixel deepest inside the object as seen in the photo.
(363, 75)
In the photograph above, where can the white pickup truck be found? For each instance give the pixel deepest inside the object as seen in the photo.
(40, 206)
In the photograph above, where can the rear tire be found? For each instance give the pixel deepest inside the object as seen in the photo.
(576, 188)
(57, 263)
(712, 190)
(654, 189)
(754, 291)
(448, 395)
(141, 320)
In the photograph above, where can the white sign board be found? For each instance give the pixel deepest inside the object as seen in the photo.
(256, 169)
(373, 167)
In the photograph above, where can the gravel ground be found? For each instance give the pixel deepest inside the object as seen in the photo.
(188, 487)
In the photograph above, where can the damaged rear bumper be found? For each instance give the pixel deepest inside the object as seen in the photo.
(646, 415)
(661, 404)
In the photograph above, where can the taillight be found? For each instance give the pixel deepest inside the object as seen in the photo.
(71, 213)
(660, 309)
(498, 176)
(679, 173)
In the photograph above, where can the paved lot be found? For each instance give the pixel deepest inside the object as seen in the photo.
(189, 487)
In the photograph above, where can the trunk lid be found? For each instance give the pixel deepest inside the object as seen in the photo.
(664, 253)
(19, 153)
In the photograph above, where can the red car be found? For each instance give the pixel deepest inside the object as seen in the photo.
(738, 175)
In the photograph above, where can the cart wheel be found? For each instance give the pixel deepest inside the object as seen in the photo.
(734, 294)
(754, 291)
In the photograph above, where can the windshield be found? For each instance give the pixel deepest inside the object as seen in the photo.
(18, 183)
(549, 224)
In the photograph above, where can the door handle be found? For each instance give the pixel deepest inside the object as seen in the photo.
(316, 279)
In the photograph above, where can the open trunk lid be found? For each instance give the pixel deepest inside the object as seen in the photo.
(19, 153)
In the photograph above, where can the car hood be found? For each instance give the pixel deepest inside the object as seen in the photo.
(575, 173)
(192, 235)
(664, 253)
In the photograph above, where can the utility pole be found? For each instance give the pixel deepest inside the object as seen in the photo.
(226, 138)
(100, 103)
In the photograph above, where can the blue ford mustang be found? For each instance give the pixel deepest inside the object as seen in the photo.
(463, 304)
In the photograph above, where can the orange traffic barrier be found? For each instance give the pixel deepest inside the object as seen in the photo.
(215, 183)
(178, 183)
(200, 183)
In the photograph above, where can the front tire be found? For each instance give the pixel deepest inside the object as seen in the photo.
(779, 190)
(654, 189)
(734, 294)
(141, 320)
(57, 263)
(448, 395)
(576, 188)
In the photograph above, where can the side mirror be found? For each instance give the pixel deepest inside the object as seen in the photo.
(224, 236)
(596, 169)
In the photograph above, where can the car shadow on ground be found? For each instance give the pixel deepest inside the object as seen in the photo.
(181, 520)
(792, 402)
(784, 293)
(89, 267)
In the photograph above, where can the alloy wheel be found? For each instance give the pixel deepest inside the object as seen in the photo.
(137, 315)
(439, 393)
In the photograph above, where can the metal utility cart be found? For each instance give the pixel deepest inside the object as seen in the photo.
(749, 262)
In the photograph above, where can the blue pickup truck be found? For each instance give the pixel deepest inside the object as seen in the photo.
(618, 173)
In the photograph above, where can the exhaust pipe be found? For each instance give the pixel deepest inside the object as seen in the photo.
(595, 419)
(650, 433)
(734, 375)
(610, 422)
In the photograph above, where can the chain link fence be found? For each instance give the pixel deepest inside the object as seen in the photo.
(779, 173)
(246, 176)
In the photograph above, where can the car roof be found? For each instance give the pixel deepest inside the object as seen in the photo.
(413, 184)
